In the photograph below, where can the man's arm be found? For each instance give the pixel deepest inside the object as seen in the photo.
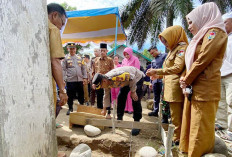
(58, 77)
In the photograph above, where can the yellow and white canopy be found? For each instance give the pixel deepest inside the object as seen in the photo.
(96, 25)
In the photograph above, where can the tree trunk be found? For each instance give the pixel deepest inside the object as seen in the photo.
(169, 20)
(27, 123)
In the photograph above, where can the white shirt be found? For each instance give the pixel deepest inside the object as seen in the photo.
(226, 68)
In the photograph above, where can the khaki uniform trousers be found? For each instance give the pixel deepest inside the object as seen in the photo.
(197, 130)
(176, 109)
(225, 104)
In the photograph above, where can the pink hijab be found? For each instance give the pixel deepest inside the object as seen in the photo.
(132, 61)
(205, 16)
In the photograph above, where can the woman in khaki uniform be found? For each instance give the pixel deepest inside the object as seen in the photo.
(175, 39)
(203, 59)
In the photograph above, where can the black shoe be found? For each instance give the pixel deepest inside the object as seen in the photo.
(165, 119)
(68, 112)
(155, 114)
(135, 132)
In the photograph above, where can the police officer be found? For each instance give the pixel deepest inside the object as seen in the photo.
(128, 78)
(75, 76)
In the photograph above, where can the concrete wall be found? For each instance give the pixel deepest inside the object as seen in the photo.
(27, 126)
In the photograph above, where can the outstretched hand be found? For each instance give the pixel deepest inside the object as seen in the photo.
(151, 72)
(134, 96)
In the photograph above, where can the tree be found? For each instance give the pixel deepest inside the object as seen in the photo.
(223, 5)
(146, 18)
(67, 7)
(147, 54)
(79, 48)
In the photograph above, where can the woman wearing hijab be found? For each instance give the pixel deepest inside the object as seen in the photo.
(115, 91)
(203, 59)
(175, 39)
(129, 60)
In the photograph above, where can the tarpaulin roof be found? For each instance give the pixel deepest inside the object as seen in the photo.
(96, 25)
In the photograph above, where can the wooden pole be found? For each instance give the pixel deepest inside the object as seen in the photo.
(168, 144)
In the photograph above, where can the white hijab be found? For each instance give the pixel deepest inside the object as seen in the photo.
(205, 16)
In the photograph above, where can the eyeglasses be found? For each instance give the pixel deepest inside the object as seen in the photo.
(63, 21)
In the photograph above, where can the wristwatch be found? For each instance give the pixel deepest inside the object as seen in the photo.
(63, 91)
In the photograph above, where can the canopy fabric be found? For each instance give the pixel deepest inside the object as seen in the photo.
(96, 25)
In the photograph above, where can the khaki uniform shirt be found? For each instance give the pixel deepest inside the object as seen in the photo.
(74, 69)
(103, 65)
(204, 74)
(173, 67)
(56, 49)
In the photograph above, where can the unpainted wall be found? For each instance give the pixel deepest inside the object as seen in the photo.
(27, 125)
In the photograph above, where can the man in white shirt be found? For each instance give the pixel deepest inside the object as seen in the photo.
(224, 112)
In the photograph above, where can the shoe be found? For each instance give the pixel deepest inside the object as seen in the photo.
(155, 114)
(135, 132)
(87, 103)
(68, 112)
(165, 121)
(130, 112)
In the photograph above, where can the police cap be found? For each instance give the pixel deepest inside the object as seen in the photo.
(71, 45)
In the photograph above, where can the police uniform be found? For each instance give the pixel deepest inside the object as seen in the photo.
(74, 72)
(56, 51)
(197, 131)
(102, 66)
(128, 78)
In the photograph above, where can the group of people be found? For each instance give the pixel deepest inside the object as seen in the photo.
(191, 78)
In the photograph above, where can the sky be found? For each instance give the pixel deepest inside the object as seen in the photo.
(94, 4)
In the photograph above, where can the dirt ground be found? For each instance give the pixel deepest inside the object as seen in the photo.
(107, 144)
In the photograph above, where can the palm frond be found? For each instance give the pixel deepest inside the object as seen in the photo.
(182, 8)
(129, 12)
(223, 5)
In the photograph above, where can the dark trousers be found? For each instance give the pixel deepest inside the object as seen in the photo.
(92, 96)
(100, 94)
(157, 89)
(75, 89)
(137, 107)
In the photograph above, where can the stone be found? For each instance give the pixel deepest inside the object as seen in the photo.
(220, 146)
(214, 155)
(147, 152)
(92, 130)
(82, 150)
(150, 104)
(61, 154)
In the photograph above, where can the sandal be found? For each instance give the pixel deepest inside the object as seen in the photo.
(59, 125)
(227, 137)
(220, 133)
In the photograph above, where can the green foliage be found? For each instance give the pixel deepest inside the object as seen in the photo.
(223, 5)
(79, 48)
(147, 54)
(146, 18)
(67, 7)
(113, 45)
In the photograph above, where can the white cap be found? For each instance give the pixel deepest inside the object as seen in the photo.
(227, 16)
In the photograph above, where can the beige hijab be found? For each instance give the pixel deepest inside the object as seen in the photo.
(205, 16)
